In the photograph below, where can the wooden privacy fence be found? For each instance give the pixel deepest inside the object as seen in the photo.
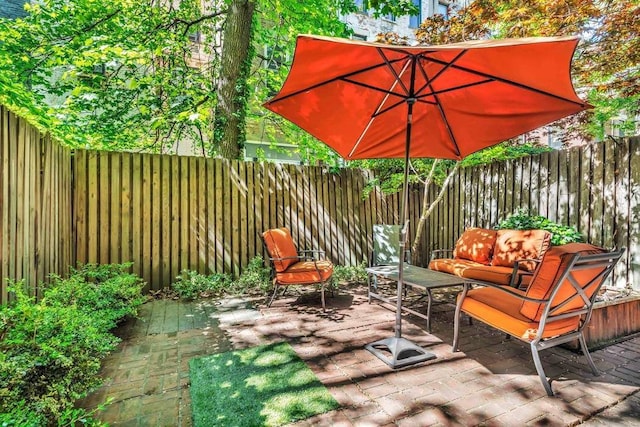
(169, 213)
(35, 180)
(594, 188)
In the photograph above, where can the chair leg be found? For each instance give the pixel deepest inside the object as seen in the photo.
(275, 292)
(585, 351)
(456, 326)
(541, 374)
(324, 308)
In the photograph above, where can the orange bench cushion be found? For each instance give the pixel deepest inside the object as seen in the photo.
(513, 245)
(554, 264)
(502, 311)
(476, 271)
(476, 244)
(305, 273)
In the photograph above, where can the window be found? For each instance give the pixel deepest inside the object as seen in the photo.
(362, 5)
(416, 20)
(390, 17)
(443, 9)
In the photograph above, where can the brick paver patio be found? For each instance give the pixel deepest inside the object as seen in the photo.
(491, 382)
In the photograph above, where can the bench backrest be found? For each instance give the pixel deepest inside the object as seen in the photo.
(569, 275)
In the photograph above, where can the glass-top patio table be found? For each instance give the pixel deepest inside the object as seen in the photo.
(415, 277)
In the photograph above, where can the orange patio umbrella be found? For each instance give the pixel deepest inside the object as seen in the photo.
(371, 100)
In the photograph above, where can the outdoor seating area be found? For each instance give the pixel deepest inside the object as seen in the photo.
(492, 380)
(213, 219)
(503, 257)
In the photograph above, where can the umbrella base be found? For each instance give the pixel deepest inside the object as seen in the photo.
(398, 352)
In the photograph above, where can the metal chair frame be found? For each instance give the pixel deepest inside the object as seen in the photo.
(303, 255)
(606, 261)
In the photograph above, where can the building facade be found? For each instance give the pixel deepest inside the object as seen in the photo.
(366, 27)
(12, 8)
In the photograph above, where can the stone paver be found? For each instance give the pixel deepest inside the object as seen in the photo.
(492, 381)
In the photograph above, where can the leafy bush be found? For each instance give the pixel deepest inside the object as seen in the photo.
(255, 277)
(521, 220)
(191, 284)
(49, 355)
(108, 291)
(50, 351)
(350, 274)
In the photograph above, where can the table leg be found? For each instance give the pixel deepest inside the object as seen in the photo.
(429, 299)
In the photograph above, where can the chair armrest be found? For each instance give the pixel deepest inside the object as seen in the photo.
(284, 258)
(502, 288)
(311, 254)
(440, 251)
(517, 273)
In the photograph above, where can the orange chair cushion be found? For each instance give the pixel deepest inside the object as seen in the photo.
(280, 245)
(513, 245)
(554, 264)
(476, 271)
(476, 244)
(502, 311)
(305, 273)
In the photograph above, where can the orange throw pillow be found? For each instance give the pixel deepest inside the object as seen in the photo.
(476, 244)
(513, 245)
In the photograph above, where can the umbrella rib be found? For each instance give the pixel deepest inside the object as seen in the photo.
(503, 80)
(368, 86)
(378, 109)
(439, 105)
(343, 77)
(393, 71)
(438, 92)
(439, 73)
(391, 107)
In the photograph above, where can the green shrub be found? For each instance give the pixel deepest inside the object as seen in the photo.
(50, 352)
(191, 284)
(351, 274)
(255, 277)
(108, 291)
(49, 356)
(521, 220)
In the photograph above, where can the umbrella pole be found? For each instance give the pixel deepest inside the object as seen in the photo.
(398, 352)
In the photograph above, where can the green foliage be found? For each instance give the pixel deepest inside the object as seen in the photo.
(109, 292)
(255, 277)
(191, 284)
(521, 220)
(390, 172)
(49, 356)
(50, 351)
(355, 274)
(23, 416)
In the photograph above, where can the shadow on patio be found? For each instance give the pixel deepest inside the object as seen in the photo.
(493, 380)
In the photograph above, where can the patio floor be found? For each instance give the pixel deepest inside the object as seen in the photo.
(491, 382)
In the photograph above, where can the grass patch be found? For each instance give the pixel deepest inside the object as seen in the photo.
(260, 386)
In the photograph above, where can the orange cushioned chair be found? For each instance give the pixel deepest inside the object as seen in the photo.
(553, 310)
(293, 267)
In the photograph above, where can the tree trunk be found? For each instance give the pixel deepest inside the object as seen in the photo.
(237, 54)
(428, 209)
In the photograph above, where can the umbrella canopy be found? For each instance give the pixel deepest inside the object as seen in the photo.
(369, 100)
(352, 95)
